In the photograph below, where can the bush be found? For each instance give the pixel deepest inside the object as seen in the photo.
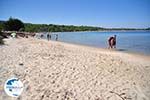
(13, 25)
(1, 38)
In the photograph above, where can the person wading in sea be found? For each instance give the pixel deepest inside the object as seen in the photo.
(42, 36)
(56, 37)
(112, 42)
(48, 36)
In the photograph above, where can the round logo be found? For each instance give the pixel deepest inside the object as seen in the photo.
(13, 87)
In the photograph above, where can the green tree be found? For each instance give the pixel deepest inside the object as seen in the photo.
(1, 27)
(13, 25)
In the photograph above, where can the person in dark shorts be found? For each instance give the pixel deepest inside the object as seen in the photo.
(56, 37)
(112, 42)
(48, 36)
(42, 36)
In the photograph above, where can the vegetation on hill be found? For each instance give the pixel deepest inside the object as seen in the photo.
(17, 25)
(58, 28)
(148, 28)
(13, 25)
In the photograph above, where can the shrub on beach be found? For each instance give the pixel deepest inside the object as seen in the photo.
(13, 25)
(1, 41)
(1, 38)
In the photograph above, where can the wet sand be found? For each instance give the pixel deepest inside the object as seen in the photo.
(59, 71)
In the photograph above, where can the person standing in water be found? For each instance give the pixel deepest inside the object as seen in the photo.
(48, 36)
(41, 36)
(112, 41)
(56, 37)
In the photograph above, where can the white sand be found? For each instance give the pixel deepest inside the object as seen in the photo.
(60, 71)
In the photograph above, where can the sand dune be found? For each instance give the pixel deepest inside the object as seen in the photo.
(59, 71)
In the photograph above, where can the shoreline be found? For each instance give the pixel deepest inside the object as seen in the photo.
(57, 70)
(103, 49)
(130, 53)
(99, 49)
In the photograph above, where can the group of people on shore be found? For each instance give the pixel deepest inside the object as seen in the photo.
(49, 36)
(111, 40)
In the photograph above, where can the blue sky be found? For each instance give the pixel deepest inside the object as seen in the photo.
(103, 13)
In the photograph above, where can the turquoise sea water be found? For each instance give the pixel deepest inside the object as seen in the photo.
(138, 42)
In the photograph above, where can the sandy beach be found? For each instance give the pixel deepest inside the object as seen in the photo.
(53, 70)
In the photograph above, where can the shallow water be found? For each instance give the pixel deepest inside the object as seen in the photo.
(138, 42)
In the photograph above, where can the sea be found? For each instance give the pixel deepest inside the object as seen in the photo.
(127, 41)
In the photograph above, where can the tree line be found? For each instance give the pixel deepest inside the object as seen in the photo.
(13, 24)
(58, 28)
(17, 25)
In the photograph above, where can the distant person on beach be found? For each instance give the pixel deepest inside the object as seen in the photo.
(48, 36)
(13, 35)
(41, 36)
(56, 37)
(112, 42)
